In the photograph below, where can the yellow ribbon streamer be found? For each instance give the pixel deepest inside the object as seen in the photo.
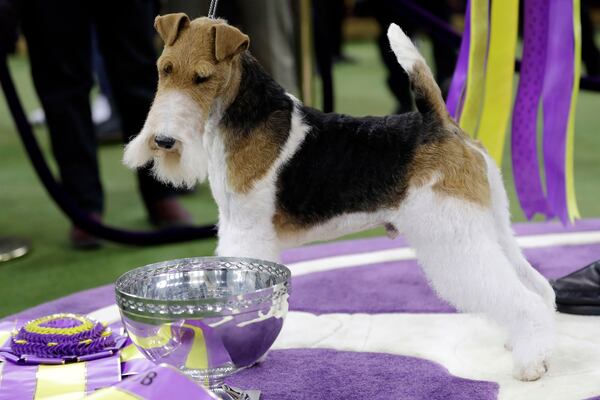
(570, 179)
(499, 74)
(64, 382)
(4, 336)
(469, 118)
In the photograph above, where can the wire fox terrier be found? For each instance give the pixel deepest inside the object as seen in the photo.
(284, 174)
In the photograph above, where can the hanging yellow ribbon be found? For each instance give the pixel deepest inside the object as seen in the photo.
(570, 189)
(469, 118)
(499, 75)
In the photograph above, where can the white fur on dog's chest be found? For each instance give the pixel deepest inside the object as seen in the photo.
(246, 219)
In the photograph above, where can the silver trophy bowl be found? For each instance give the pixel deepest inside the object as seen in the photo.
(208, 316)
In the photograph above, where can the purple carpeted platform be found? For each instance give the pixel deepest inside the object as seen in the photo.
(319, 374)
(391, 287)
(397, 286)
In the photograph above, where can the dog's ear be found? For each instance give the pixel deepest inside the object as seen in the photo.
(229, 41)
(170, 26)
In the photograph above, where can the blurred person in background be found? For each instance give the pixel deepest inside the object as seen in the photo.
(386, 12)
(107, 122)
(590, 54)
(8, 26)
(59, 43)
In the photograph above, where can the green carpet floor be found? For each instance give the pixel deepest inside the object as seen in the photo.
(53, 269)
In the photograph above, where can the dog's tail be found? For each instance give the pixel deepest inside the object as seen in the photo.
(428, 97)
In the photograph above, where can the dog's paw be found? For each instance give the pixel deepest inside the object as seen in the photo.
(531, 372)
(545, 290)
(549, 297)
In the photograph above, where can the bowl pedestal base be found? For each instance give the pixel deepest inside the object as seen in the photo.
(226, 392)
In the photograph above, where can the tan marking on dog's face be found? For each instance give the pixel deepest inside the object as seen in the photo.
(200, 58)
(462, 169)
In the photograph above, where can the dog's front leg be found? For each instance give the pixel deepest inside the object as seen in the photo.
(252, 243)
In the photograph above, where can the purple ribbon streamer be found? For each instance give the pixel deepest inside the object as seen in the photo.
(457, 86)
(136, 366)
(526, 170)
(102, 373)
(18, 381)
(558, 87)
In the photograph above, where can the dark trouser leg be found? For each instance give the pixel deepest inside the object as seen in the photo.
(589, 51)
(398, 81)
(443, 54)
(125, 35)
(58, 36)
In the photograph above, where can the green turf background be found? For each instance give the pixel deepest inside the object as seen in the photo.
(53, 269)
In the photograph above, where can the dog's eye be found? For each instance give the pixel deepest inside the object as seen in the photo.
(167, 69)
(200, 79)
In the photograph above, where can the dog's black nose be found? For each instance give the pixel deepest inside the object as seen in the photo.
(164, 142)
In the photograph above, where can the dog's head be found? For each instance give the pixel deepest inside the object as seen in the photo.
(198, 73)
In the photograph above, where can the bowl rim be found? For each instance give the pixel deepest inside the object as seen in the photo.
(274, 290)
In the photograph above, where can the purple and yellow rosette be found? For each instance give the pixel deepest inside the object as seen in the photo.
(57, 355)
(60, 339)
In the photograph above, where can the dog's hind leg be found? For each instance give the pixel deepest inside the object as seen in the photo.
(530, 277)
(457, 247)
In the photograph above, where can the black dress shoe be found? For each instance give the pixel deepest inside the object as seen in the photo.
(82, 240)
(168, 212)
(579, 292)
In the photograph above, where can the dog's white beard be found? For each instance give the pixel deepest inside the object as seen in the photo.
(175, 115)
(137, 152)
(183, 169)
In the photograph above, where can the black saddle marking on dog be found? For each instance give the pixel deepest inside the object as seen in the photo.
(348, 164)
(260, 100)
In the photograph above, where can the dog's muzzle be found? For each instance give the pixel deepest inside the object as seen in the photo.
(164, 142)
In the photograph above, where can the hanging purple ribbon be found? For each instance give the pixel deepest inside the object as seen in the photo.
(558, 87)
(526, 170)
(457, 86)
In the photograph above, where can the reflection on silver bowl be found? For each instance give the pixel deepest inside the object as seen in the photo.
(207, 316)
